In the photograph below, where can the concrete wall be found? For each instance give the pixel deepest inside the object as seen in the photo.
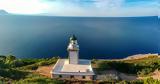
(73, 57)
(79, 77)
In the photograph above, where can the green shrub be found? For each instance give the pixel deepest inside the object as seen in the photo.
(145, 71)
(10, 59)
(13, 74)
(141, 67)
(103, 65)
(151, 81)
(30, 67)
(37, 79)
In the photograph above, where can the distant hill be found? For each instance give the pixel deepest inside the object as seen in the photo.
(3, 12)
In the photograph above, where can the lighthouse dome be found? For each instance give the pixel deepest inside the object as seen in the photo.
(73, 37)
(73, 45)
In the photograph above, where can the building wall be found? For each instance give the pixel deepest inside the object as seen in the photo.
(73, 57)
(79, 77)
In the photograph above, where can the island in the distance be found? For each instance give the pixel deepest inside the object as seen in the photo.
(3, 12)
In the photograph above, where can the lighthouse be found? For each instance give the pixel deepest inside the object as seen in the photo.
(73, 50)
(73, 67)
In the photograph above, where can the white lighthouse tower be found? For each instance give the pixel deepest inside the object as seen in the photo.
(73, 67)
(73, 50)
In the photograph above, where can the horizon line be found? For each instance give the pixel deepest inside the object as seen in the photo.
(82, 16)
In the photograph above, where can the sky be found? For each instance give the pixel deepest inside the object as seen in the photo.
(98, 8)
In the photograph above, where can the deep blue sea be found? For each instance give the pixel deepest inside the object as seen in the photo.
(98, 37)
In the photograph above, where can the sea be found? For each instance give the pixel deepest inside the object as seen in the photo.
(98, 37)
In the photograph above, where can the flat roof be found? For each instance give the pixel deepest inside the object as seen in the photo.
(82, 68)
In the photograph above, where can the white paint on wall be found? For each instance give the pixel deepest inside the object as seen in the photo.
(73, 57)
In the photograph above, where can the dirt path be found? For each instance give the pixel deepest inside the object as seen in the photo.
(127, 77)
(156, 74)
(45, 70)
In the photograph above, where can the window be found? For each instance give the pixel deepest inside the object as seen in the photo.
(60, 76)
(72, 76)
(83, 77)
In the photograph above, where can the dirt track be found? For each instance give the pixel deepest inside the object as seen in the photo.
(45, 70)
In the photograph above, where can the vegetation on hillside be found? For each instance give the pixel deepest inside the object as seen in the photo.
(141, 67)
(21, 71)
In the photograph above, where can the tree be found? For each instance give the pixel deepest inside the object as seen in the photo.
(10, 59)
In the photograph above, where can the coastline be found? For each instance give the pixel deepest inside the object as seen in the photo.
(107, 70)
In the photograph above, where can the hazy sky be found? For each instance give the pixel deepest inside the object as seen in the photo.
(82, 7)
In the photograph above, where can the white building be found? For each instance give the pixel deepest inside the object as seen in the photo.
(73, 67)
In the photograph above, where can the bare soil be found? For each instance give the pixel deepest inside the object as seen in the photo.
(45, 70)
(156, 75)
